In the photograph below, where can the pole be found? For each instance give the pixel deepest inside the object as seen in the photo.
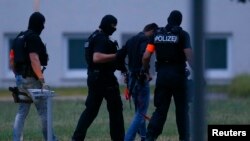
(197, 116)
(49, 116)
(36, 5)
(36, 94)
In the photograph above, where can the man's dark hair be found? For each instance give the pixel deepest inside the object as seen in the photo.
(151, 26)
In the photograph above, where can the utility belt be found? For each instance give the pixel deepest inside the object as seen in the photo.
(169, 64)
(102, 78)
(100, 72)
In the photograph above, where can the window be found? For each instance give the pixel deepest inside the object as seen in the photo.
(76, 51)
(76, 64)
(217, 56)
(8, 41)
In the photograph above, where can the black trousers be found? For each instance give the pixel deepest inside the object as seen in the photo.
(170, 82)
(102, 87)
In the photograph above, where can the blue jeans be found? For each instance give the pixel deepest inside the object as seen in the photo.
(23, 109)
(141, 97)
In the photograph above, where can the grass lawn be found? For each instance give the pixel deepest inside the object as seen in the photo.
(66, 114)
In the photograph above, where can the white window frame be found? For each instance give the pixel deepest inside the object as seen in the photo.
(221, 73)
(69, 73)
(8, 74)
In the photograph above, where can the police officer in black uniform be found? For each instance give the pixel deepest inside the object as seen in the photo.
(173, 49)
(29, 74)
(102, 83)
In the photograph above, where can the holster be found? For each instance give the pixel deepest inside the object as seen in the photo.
(20, 97)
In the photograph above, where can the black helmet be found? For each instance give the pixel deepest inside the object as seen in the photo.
(106, 24)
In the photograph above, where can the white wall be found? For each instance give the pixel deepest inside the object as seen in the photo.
(80, 16)
(226, 16)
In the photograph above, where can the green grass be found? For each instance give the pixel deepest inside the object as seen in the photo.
(230, 111)
(65, 117)
(239, 86)
(66, 114)
(71, 91)
(4, 93)
(217, 88)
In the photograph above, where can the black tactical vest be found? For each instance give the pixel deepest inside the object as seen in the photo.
(169, 46)
(89, 51)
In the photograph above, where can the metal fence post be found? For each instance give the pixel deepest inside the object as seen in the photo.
(49, 116)
(197, 116)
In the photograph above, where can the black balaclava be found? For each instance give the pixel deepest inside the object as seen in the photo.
(36, 22)
(174, 21)
(106, 24)
(175, 18)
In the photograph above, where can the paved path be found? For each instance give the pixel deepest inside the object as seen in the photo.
(211, 96)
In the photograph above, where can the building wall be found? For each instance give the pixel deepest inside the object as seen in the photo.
(226, 17)
(79, 17)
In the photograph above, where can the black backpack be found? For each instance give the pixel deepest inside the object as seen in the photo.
(19, 48)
